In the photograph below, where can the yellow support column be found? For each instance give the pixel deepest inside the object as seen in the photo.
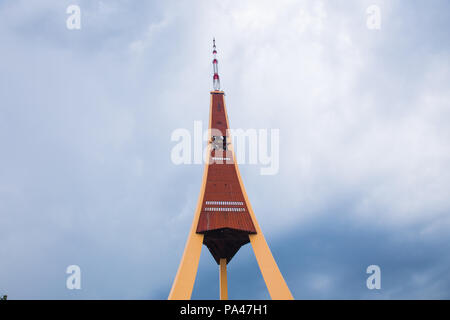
(187, 271)
(223, 279)
(273, 278)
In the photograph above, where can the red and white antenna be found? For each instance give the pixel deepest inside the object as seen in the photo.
(216, 80)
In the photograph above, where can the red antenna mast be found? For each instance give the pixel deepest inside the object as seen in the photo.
(216, 80)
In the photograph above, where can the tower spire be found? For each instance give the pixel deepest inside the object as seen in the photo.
(216, 80)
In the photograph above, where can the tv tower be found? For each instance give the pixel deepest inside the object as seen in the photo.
(224, 220)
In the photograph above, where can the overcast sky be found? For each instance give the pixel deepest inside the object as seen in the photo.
(86, 118)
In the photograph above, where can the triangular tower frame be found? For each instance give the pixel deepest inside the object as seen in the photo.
(221, 231)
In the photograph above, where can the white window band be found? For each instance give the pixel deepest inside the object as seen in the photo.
(225, 203)
(226, 209)
(221, 159)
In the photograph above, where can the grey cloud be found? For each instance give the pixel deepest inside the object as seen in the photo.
(86, 119)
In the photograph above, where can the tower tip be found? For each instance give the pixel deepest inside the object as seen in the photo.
(216, 79)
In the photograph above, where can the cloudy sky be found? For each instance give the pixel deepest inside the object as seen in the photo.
(86, 118)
